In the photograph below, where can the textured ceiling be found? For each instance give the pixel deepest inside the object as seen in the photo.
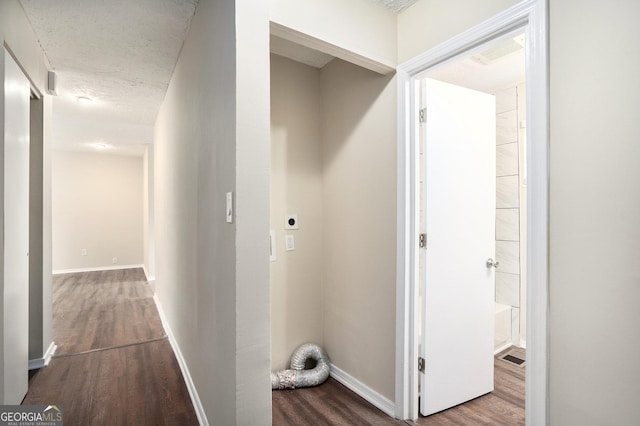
(121, 54)
(396, 5)
(492, 67)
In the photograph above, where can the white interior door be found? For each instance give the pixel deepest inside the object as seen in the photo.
(17, 93)
(459, 219)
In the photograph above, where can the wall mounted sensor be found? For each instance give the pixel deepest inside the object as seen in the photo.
(52, 83)
(291, 221)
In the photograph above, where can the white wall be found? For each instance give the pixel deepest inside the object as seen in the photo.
(594, 212)
(17, 35)
(428, 23)
(361, 27)
(97, 206)
(212, 277)
(359, 213)
(296, 188)
(511, 194)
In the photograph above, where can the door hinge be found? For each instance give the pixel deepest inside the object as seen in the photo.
(421, 365)
(423, 240)
(423, 115)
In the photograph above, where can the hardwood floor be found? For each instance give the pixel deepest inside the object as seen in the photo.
(93, 310)
(333, 404)
(114, 364)
(503, 406)
(328, 404)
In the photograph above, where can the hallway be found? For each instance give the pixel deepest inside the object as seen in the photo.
(114, 364)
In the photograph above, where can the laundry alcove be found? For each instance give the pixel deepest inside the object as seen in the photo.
(333, 167)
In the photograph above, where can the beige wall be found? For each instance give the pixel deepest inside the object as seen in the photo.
(359, 213)
(212, 277)
(148, 222)
(430, 22)
(296, 188)
(97, 206)
(358, 26)
(594, 212)
(333, 142)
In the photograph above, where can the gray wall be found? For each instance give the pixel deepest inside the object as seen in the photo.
(212, 277)
(594, 212)
(40, 241)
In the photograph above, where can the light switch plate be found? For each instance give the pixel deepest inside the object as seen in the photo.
(229, 208)
(289, 243)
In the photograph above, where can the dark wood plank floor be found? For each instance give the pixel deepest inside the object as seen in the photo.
(328, 404)
(93, 310)
(503, 406)
(139, 383)
(333, 404)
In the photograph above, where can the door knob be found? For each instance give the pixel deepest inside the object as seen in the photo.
(492, 263)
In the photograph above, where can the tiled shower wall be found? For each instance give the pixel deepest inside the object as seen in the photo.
(509, 191)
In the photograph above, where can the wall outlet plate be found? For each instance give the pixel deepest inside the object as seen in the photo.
(291, 221)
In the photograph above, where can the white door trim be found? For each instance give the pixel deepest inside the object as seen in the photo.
(531, 15)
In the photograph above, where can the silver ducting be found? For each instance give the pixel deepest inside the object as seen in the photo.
(297, 376)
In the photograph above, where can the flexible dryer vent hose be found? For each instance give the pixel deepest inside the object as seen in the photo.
(297, 376)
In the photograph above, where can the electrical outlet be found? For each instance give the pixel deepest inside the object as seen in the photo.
(83, 252)
(114, 260)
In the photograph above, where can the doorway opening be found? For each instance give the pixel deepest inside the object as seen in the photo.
(530, 18)
(472, 213)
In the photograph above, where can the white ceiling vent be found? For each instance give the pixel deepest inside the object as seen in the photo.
(500, 50)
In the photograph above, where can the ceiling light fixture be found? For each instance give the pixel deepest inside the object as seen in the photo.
(101, 146)
(83, 100)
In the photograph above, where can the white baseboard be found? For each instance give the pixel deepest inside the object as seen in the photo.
(195, 399)
(523, 344)
(96, 268)
(152, 284)
(502, 348)
(384, 404)
(37, 363)
(147, 274)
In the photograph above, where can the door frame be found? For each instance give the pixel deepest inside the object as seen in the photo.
(532, 16)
